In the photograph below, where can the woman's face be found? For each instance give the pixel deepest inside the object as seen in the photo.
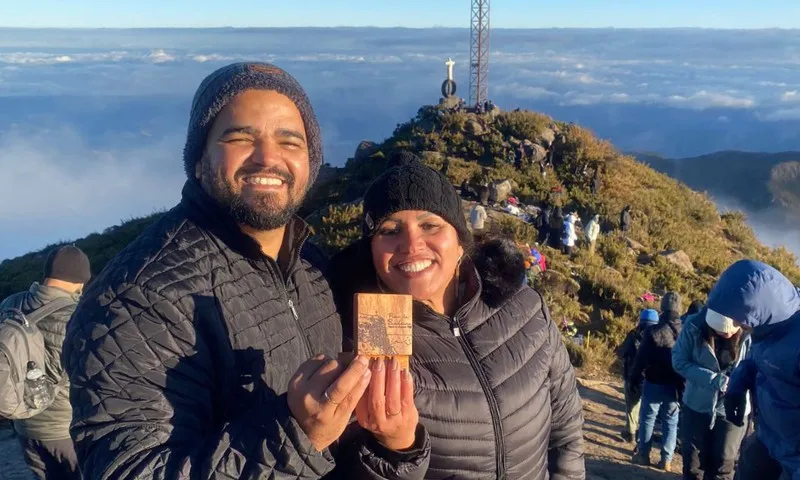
(726, 336)
(416, 253)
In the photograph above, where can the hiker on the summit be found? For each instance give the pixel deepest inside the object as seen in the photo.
(708, 349)
(208, 347)
(556, 227)
(757, 297)
(627, 353)
(542, 223)
(663, 387)
(494, 385)
(45, 438)
(592, 232)
(625, 220)
(477, 218)
(569, 234)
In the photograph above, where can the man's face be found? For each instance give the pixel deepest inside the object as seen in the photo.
(256, 162)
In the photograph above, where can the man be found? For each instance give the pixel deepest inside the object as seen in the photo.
(663, 387)
(592, 232)
(191, 354)
(477, 218)
(45, 437)
(758, 297)
(627, 353)
(625, 219)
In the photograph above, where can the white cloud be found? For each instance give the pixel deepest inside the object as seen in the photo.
(704, 99)
(781, 115)
(790, 97)
(519, 90)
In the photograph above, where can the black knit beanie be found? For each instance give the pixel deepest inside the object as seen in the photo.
(68, 264)
(221, 86)
(411, 185)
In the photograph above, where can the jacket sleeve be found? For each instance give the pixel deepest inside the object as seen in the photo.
(684, 364)
(359, 456)
(636, 375)
(144, 393)
(743, 377)
(565, 450)
(627, 348)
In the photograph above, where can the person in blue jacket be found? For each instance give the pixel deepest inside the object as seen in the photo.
(758, 297)
(708, 349)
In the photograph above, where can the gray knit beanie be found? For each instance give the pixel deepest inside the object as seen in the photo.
(671, 302)
(221, 86)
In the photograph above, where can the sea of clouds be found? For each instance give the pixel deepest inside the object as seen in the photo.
(92, 122)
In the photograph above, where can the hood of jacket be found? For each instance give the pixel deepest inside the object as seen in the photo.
(755, 294)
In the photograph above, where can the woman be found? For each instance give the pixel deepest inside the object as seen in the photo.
(569, 234)
(493, 382)
(708, 349)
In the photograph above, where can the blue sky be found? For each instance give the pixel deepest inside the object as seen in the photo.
(407, 13)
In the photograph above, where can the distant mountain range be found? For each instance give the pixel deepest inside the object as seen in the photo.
(754, 180)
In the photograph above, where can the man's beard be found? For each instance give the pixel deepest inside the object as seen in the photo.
(262, 212)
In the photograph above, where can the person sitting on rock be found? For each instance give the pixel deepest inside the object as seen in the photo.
(663, 387)
(493, 383)
(627, 353)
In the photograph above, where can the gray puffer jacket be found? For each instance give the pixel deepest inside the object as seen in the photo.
(493, 384)
(53, 423)
(181, 351)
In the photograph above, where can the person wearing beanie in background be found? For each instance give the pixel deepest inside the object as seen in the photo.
(708, 349)
(45, 437)
(662, 386)
(759, 298)
(627, 353)
(209, 347)
(494, 385)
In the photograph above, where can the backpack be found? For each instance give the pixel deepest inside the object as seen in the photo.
(21, 345)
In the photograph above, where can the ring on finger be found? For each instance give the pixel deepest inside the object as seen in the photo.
(388, 414)
(328, 398)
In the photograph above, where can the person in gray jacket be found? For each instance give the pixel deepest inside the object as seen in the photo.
(708, 349)
(45, 438)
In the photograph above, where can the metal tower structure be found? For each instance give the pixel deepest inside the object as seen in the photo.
(479, 53)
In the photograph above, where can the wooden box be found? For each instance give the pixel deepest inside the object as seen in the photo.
(383, 326)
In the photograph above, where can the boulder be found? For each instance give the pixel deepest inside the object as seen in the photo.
(679, 258)
(474, 127)
(538, 153)
(634, 245)
(546, 137)
(500, 191)
(365, 149)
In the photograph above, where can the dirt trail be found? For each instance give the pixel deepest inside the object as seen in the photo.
(607, 455)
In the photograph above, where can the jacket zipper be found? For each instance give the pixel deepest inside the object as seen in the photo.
(285, 294)
(494, 409)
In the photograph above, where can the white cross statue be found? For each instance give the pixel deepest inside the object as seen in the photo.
(449, 64)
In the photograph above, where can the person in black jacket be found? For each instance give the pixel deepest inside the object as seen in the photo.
(625, 219)
(494, 386)
(663, 387)
(627, 353)
(192, 354)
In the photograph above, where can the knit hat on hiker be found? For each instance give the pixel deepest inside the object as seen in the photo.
(671, 302)
(411, 185)
(648, 317)
(720, 323)
(68, 264)
(221, 86)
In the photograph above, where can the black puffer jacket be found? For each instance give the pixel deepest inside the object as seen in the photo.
(499, 400)
(181, 351)
(654, 358)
